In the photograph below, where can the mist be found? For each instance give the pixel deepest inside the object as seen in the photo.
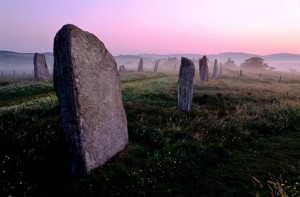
(13, 63)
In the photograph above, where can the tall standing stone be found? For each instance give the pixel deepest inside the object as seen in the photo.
(215, 71)
(280, 79)
(41, 72)
(175, 66)
(185, 84)
(156, 66)
(122, 69)
(87, 84)
(203, 69)
(141, 65)
(221, 70)
(206, 76)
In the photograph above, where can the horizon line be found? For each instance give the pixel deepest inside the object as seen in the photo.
(165, 54)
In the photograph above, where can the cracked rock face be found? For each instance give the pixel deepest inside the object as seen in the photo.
(87, 84)
(41, 72)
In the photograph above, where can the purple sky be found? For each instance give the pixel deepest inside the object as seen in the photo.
(156, 26)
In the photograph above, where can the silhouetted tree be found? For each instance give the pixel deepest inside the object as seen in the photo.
(255, 63)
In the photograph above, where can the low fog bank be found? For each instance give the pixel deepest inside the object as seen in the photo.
(22, 63)
(284, 65)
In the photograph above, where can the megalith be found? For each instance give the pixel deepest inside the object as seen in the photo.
(41, 72)
(185, 84)
(87, 85)
(176, 64)
(141, 65)
(156, 66)
(221, 70)
(122, 69)
(280, 79)
(203, 69)
(215, 71)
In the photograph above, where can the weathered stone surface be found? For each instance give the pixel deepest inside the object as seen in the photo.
(203, 69)
(156, 66)
(41, 72)
(87, 84)
(185, 84)
(215, 71)
(141, 65)
(122, 69)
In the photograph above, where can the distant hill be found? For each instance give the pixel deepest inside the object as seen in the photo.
(14, 60)
(282, 56)
(165, 56)
(231, 55)
(240, 57)
(281, 61)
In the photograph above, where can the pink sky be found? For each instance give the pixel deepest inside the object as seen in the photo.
(156, 26)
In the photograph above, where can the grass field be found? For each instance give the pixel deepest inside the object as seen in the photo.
(241, 136)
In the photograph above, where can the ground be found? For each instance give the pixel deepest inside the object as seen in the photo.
(241, 136)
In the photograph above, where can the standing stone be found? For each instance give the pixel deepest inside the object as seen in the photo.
(206, 76)
(185, 84)
(221, 70)
(280, 79)
(175, 66)
(41, 72)
(87, 84)
(241, 73)
(141, 65)
(156, 66)
(215, 71)
(122, 69)
(173, 62)
(203, 69)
